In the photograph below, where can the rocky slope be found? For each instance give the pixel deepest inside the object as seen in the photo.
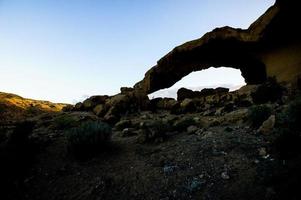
(214, 145)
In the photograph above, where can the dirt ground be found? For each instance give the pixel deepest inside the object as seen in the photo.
(220, 162)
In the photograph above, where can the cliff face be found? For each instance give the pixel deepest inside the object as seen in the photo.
(270, 47)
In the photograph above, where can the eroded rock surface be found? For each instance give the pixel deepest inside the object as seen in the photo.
(269, 47)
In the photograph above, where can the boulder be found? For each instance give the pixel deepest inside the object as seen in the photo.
(270, 91)
(192, 129)
(126, 90)
(166, 103)
(221, 90)
(184, 93)
(92, 101)
(68, 108)
(122, 124)
(183, 123)
(153, 103)
(267, 126)
(111, 119)
(187, 105)
(127, 132)
(153, 131)
(87, 104)
(99, 110)
(79, 106)
(237, 116)
(99, 99)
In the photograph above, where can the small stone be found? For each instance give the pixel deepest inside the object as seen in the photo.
(195, 184)
(266, 157)
(270, 193)
(128, 132)
(122, 124)
(192, 129)
(228, 129)
(218, 111)
(225, 176)
(262, 151)
(200, 131)
(167, 169)
(196, 119)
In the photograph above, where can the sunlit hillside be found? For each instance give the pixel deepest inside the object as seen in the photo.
(14, 107)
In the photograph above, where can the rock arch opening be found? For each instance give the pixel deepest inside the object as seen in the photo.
(210, 78)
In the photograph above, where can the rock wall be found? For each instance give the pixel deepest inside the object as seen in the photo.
(284, 62)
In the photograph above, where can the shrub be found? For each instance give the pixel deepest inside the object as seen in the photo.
(258, 114)
(294, 114)
(183, 123)
(89, 138)
(17, 153)
(155, 131)
(64, 121)
(21, 133)
(33, 110)
(288, 143)
(270, 91)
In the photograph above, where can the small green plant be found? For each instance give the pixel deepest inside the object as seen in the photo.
(258, 114)
(155, 131)
(89, 138)
(64, 121)
(33, 110)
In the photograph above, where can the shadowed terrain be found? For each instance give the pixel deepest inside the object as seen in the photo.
(210, 144)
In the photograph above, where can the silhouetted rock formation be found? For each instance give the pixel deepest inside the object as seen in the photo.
(270, 47)
(184, 93)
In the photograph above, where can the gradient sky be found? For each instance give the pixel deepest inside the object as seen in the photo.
(63, 50)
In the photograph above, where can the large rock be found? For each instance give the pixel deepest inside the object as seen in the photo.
(184, 93)
(271, 46)
(99, 110)
(78, 106)
(163, 103)
(188, 105)
(129, 101)
(93, 101)
(237, 116)
(270, 91)
(113, 107)
(267, 126)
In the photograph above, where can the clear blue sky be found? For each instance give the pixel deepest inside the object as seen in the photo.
(62, 50)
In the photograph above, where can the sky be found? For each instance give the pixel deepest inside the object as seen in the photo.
(66, 50)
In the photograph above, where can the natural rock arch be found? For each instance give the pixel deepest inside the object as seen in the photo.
(225, 77)
(159, 77)
(256, 51)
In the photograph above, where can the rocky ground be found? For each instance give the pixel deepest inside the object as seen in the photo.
(208, 146)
